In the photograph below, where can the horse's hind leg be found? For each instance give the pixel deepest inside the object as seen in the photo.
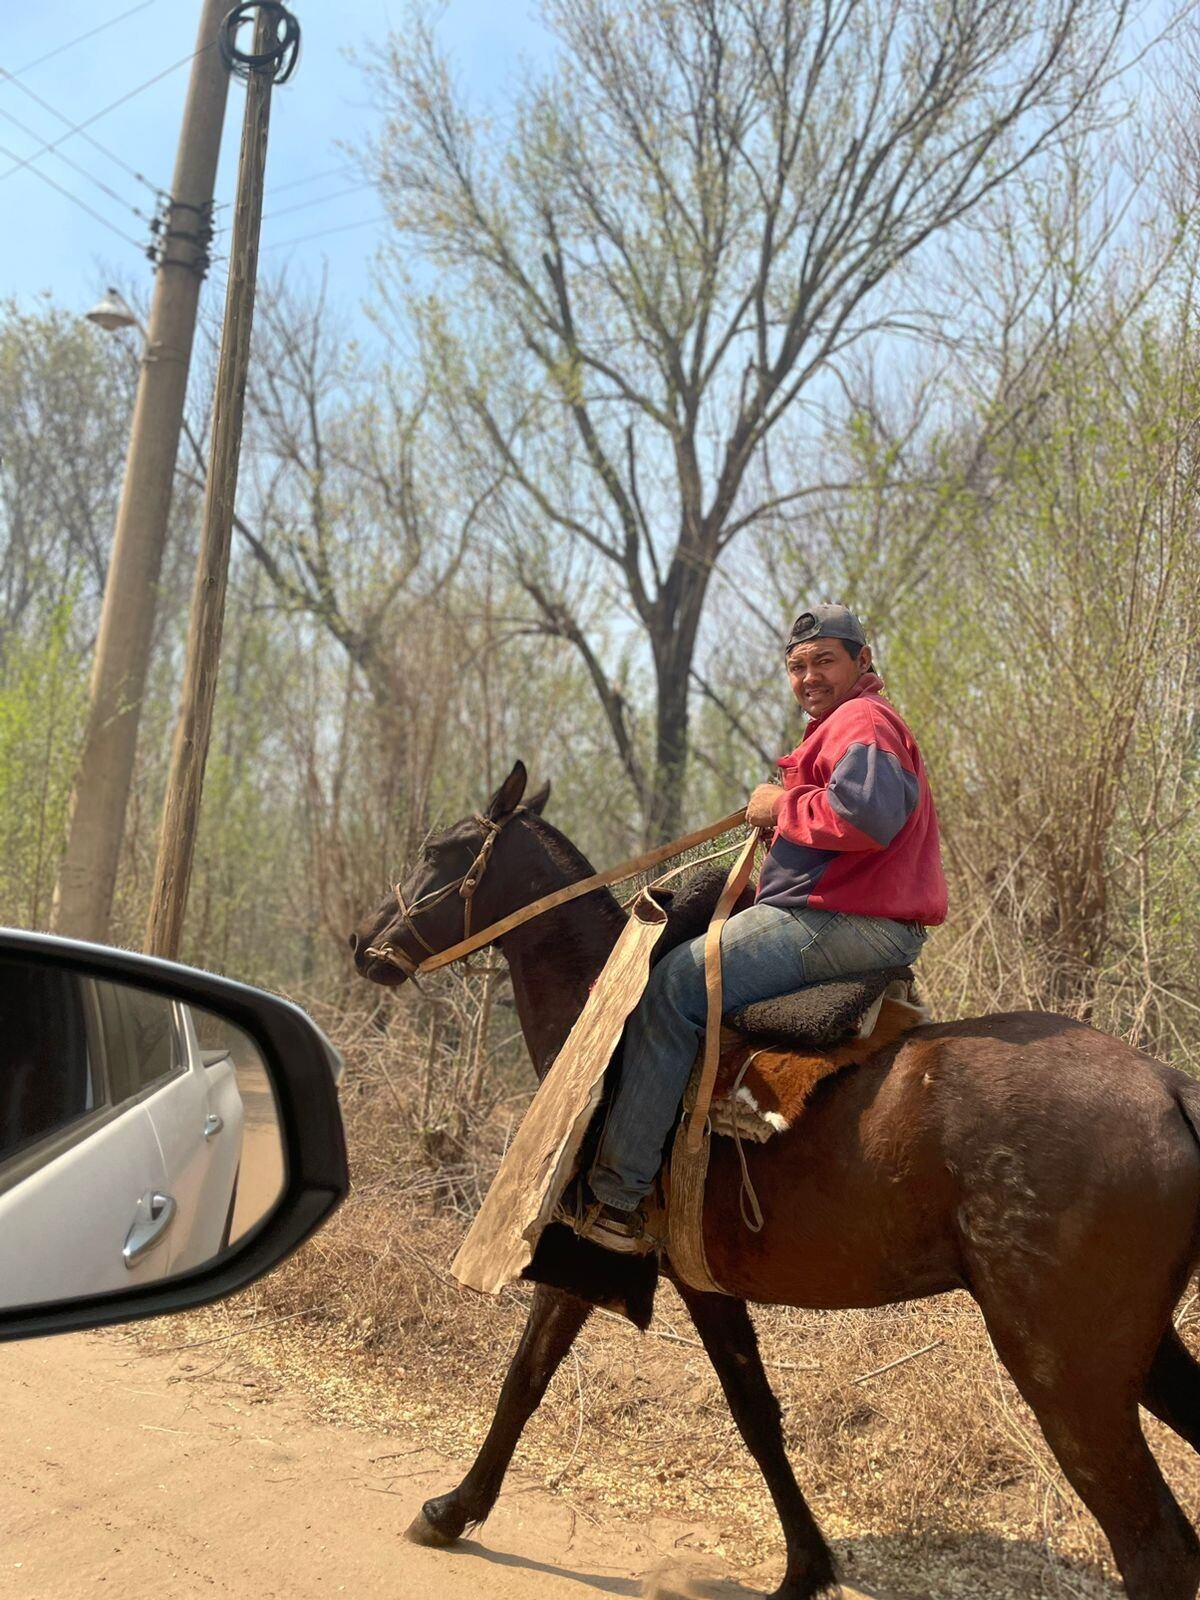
(1085, 1397)
(555, 1318)
(1104, 1454)
(728, 1336)
(1172, 1390)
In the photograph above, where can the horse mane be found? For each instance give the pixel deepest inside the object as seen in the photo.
(689, 905)
(563, 853)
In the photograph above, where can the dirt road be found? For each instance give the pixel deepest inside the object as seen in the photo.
(175, 1474)
(260, 1180)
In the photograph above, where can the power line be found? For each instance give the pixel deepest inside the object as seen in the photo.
(364, 222)
(54, 112)
(75, 200)
(95, 117)
(79, 39)
(305, 205)
(74, 165)
(313, 177)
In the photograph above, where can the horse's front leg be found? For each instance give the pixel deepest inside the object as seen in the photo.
(728, 1336)
(555, 1318)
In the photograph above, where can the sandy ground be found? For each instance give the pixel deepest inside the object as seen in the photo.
(175, 1473)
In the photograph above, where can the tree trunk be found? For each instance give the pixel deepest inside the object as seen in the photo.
(664, 817)
(674, 649)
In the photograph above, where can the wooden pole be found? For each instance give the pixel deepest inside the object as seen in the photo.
(84, 892)
(189, 753)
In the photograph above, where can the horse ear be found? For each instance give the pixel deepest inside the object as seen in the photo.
(537, 802)
(508, 796)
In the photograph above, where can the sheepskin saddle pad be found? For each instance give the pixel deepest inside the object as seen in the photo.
(775, 1052)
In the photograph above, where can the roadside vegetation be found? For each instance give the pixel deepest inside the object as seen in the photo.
(564, 509)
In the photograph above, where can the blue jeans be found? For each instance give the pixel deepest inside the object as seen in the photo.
(765, 951)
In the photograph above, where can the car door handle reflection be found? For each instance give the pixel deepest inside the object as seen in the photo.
(155, 1214)
(212, 1124)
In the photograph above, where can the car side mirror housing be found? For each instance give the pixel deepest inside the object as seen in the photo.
(166, 1135)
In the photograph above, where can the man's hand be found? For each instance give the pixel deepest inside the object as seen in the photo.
(764, 805)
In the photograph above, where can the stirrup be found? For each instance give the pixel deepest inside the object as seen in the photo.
(622, 1232)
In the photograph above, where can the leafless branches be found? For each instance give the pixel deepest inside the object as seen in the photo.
(683, 230)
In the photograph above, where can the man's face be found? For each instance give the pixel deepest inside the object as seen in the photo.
(823, 673)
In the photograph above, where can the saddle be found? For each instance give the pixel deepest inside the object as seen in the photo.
(775, 1052)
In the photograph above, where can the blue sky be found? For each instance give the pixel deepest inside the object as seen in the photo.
(53, 247)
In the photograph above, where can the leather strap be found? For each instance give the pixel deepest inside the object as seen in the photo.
(572, 891)
(687, 1182)
(739, 876)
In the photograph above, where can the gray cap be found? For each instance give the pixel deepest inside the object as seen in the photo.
(825, 622)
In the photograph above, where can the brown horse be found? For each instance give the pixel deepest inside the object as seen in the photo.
(1046, 1168)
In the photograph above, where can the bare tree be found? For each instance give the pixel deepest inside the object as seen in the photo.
(1037, 588)
(689, 221)
(64, 408)
(341, 508)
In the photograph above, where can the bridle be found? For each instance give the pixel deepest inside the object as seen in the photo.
(469, 882)
(466, 886)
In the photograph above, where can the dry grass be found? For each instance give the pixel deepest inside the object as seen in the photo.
(931, 1475)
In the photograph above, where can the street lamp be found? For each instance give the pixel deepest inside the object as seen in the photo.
(112, 312)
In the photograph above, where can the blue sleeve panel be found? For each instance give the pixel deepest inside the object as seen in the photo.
(790, 873)
(871, 790)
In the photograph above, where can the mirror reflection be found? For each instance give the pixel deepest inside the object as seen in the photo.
(139, 1137)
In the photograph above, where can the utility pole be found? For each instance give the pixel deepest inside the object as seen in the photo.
(276, 42)
(84, 892)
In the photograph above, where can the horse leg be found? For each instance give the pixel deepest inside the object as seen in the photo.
(1087, 1404)
(729, 1339)
(1172, 1389)
(555, 1318)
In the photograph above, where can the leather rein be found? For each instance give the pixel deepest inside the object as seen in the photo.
(466, 886)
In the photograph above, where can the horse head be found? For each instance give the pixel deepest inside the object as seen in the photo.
(466, 877)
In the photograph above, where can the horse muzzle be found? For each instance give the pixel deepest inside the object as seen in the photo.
(379, 961)
(384, 973)
(382, 962)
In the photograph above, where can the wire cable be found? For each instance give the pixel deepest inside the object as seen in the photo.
(305, 205)
(54, 112)
(95, 117)
(75, 167)
(74, 198)
(293, 183)
(281, 53)
(79, 39)
(364, 222)
(313, 177)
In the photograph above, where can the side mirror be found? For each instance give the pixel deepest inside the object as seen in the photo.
(166, 1136)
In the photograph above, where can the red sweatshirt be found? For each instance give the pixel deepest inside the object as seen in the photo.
(857, 830)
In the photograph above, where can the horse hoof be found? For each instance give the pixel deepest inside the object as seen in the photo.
(421, 1531)
(803, 1590)
(438, 1523)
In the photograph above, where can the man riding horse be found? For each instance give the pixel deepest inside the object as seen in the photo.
(1045, 1168)
(851, 882)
